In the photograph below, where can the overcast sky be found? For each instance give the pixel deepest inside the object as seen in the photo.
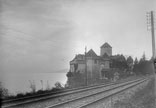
(42, 36)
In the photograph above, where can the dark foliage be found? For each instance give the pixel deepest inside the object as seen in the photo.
(119, 61)
(21, 95)
(3, 91)
(121, 65)
(143, 67)
(69, 74)
(109, 74)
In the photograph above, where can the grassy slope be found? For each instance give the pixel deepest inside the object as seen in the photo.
(144, 98)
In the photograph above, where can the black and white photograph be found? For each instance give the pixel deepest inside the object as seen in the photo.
(77, 53)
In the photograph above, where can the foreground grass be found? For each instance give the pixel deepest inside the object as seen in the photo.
(143, 98)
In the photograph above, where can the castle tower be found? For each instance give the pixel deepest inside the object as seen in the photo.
(106, 49)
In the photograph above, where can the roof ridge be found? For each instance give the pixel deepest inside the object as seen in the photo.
(105, 45)
(91, 53)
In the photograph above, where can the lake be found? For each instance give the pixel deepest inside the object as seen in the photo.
(17, 83)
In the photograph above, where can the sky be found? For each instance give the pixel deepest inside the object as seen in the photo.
(42, 36)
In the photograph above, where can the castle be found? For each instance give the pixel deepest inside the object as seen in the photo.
(90, 66)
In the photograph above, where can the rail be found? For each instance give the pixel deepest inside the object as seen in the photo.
(38, 98)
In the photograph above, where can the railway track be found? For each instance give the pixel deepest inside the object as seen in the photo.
(29, 99)
(74, 98)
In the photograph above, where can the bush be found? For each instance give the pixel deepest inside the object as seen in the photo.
(58, 85)
(3, 91)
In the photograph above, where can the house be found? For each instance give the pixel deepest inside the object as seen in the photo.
(91, 66)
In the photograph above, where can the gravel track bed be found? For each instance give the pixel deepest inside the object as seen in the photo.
(85, 100)
(49, 102)
(111, 101)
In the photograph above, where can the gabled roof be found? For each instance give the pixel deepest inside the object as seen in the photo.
(106, 45)
(80, 57)
(91, 53)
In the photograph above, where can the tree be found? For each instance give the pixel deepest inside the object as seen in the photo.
(48, 86)
(58, 85)
(136, 61)
(143, 58)
(41, 84)
(119, 61)
(109, 74)
(136, 66)
(32, 86)
(130, 63)
(143, 67)
(129, 60)
(69, 74)
(3, 91)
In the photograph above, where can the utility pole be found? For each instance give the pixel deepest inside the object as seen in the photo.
(150, 26)
(86, 67)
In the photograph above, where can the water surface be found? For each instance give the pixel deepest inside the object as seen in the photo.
(17, 83)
